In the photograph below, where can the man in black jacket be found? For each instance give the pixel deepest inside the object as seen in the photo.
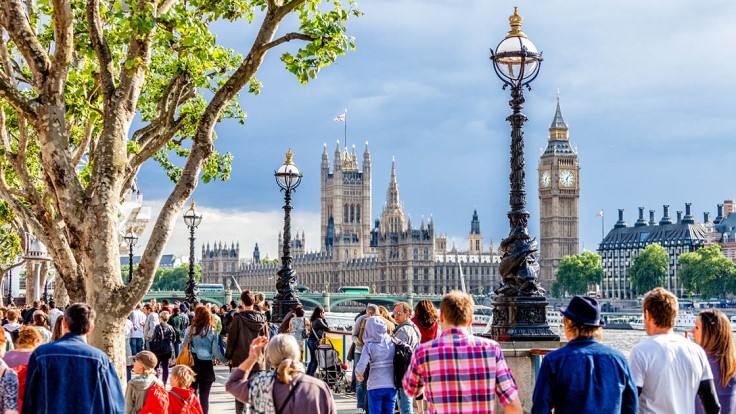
(245, 326)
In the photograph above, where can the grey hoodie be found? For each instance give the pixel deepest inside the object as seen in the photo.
(135, 393)
(379, 352)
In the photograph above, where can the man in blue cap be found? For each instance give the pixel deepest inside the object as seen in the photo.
(584, 375)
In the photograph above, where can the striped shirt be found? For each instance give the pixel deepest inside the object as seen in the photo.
(457, 372)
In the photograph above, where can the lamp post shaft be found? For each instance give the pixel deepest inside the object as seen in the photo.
(518, 216)
(190, 291)
(286, 258)
(10, 287)
(130, 262)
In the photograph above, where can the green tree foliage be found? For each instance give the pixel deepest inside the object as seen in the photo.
(649, 269)
(707, 272)
(576, 273)
(176, 278)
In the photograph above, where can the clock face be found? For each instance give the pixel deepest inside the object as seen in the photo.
(567, 178)
(545, 179)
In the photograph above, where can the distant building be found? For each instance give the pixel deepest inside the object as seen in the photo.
(168, 261)
(624, 242)
(391, 257)
(722, 230)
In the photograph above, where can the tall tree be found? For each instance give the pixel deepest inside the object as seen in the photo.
(649, 268)
(73, 76)
(707, 272)
(576, 273)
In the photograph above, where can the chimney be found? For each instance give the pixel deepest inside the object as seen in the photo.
(679, 216)
(666, 217)
(688, 219)
(641, 222)
(719, 217)
(651, 218)
(706, 217)
(728, 208)
(620, 223)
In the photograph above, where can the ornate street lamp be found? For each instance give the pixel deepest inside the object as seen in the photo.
(192, 218)
(288, 178)
(131, 239)
(519, 309)
(10, 287)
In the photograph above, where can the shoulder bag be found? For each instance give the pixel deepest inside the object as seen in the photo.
(185, 356)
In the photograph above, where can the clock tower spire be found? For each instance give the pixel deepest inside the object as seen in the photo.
(559, 194)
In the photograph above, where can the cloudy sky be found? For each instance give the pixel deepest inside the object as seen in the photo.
(647, 88)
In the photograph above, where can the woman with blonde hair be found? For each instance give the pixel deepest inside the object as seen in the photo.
(712, 331)
(287, 390)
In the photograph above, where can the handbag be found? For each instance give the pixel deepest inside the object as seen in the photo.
(351, 352)
(305, 334)
(160, 345)
(185, 355)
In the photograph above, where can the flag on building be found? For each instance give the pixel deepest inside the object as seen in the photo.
(340, 118)
(599, 214)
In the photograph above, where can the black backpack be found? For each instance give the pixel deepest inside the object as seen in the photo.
(402, 359)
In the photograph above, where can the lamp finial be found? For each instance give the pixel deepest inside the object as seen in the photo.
(289, 156)
(515, 21)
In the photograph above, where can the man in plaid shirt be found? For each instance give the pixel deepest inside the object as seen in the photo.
(458, 371)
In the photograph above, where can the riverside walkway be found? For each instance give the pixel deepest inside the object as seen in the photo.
(223, 403)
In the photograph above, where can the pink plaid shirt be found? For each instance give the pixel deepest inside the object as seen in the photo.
(458, 372)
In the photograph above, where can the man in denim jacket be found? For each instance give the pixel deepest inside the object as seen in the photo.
(69, 376)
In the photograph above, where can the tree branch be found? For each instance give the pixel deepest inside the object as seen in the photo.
(14, 18)
(25, 107)
(63, 49)
(88, 128)
(285, 38)
(102, 49)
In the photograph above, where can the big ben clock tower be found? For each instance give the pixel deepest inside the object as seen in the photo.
(559, 194)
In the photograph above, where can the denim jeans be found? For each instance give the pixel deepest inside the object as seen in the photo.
(405, 403)
(221, 343)
(136, 345)
(359, 386)
(177, 347)
(312, 345)
(382, 400)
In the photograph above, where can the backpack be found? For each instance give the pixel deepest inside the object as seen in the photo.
(14, 334)
(189, 406)
(157, 400)
(163, 339)
(402, 359)
(21, 371)
(273, 330)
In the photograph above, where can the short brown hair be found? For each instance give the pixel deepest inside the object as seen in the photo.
(184, 375)
(662, 307)
(404, 307)
(247, 298)
(13, 315)
(457, 308)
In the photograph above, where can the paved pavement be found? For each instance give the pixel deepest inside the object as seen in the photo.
(223, 403)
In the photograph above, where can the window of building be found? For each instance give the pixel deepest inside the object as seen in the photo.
(345, 213)
(357, 214)
(416, 254)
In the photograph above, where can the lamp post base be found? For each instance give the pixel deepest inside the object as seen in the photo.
(520, 318)
(280, 307)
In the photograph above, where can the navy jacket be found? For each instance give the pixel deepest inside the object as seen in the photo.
(69, 376)
(585, 376)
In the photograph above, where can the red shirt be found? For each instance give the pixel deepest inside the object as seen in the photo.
(176, 404)
(427, 334)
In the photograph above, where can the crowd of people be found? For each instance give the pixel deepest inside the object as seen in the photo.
(172, 351)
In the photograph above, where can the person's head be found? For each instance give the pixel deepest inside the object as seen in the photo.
(29, 338)
(163, 316)
(582, 318)
(183, 307)
(456, 310)
(57, 332)
(425, 313)
(284, 354)
(233, 305)
(375, 330)
(260, 297)
(165, 302)
(79, 319)
(175, 311)
(45, 308)
(215, 308)
(248, 300)
(712, 331)
(299, 311)
(13, 315)
(402, 312)
(202, 322)
(39, 319)
(52, 304)
(181, 376)
(317, 313)
(385, 314)
(2, 346)
(660, 310)
(144, 363)
(36, 304)
(371, 310)
(147, 308)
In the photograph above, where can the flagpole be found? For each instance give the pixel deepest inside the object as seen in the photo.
(346, 127)
(603, 225)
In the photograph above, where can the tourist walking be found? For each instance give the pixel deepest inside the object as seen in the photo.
(149, 327)
(601, 380)
(13, 326)
(378, 351)
(668, 369)
(91, 384)
(360, 390)
(54, 313)
(318, 328)
(408, 333)
(8, 384)
(299, 326)
(427, 320)
(145, 388)
(286, 390)
(175, 323)
(39, 322)
(459, 372)
(205, 352)
(182, 398)
(712, 332)
(138, 318)
(29, 338)
(162, 345)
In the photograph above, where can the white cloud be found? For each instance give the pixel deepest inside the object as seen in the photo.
(233, 226)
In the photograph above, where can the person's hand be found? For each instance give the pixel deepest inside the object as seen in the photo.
(359, 378)
(256, 347)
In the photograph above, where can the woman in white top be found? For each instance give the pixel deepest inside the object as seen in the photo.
(299, 326)
(39, 321)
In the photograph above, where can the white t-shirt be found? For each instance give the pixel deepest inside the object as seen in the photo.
(138, 318)
(669, 369)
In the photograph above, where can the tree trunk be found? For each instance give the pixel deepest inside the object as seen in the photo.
(109, 336)
(61, 297)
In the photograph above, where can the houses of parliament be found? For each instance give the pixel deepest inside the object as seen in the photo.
(394, 255)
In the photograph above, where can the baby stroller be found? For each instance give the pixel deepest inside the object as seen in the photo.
(331, 369)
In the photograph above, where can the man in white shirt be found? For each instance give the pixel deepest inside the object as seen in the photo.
(54, 314)
(138, 318)
(668, 369)
(149, 328)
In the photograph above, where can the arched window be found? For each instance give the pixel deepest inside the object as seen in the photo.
(345, 213)
(352, 214)
(426, 254)
(416, 254)
(357, 214)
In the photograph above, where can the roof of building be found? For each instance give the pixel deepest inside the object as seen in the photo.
(676, 234)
